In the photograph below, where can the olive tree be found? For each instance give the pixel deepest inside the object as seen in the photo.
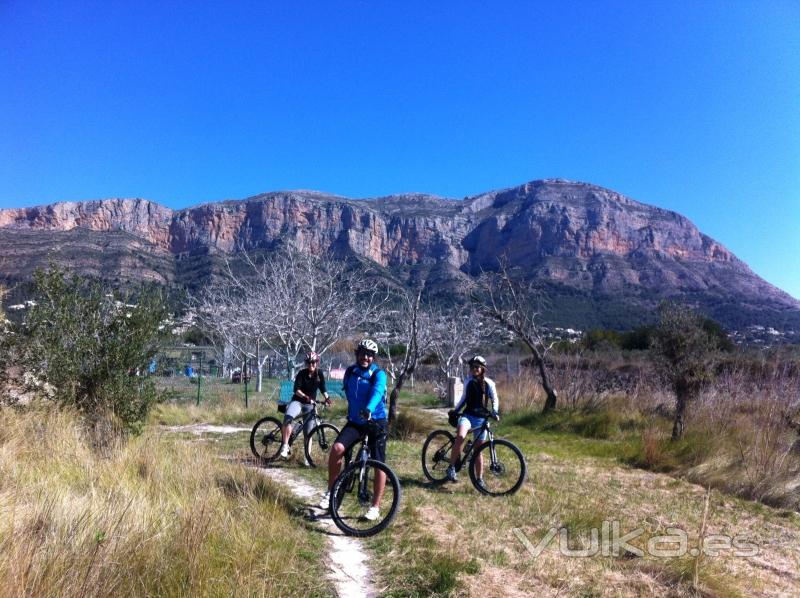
(82, 345)
(682, 350)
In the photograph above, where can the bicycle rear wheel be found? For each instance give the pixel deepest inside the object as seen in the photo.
(318, 444)
(436, 453)
(352, 496)
(265, 439)
(504, 468)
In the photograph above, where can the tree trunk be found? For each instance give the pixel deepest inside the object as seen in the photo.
(395, 394)
(680, 415)
(289, 366)
(259, 365)
(552, 395)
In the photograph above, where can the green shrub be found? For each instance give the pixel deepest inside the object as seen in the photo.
(409, 425)
(82, 346)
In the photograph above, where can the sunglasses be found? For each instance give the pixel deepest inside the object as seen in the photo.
(366, 353)
(310, 361)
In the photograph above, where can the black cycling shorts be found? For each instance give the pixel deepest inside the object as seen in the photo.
(352, 433)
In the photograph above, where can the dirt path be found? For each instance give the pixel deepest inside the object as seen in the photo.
(348, 563)
(198, 429)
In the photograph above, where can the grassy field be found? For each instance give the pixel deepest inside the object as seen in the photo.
(184, 521)
(449, 539)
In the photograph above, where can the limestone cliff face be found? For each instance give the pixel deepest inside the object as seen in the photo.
(140, 217)
(562, 218)
(317, 223)
(526, 223)
(574, 234)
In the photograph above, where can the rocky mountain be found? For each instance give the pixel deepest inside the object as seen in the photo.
(604, 259)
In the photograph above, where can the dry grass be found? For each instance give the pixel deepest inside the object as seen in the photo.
(223, 409)
(739, 435)
(737, 439)
(157, 517)
(449, 540)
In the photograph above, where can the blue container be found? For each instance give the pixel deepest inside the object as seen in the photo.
(189, 371)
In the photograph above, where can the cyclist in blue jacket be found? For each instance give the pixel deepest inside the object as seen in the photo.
(365, 388)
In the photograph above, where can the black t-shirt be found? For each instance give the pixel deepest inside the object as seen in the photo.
(480, 397)
(309, 384)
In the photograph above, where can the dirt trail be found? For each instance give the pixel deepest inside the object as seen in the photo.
(198, 429)
(349, 570)
(347, 561)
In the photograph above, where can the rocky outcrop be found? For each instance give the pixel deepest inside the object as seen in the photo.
(140, 217)
(572, 234)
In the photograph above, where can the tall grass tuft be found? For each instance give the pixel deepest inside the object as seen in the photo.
(224, 408)
(158, 516)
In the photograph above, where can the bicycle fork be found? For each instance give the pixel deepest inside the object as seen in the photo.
(363, 480)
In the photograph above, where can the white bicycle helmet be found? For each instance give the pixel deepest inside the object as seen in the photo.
(478, 360)
(368, 345)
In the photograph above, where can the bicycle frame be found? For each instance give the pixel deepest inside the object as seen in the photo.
(484, 427)
(299, 423)
(362, 457)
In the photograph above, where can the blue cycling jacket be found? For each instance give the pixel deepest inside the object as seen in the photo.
(365, 389)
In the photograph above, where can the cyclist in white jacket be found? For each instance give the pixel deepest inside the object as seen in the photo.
(478, 402)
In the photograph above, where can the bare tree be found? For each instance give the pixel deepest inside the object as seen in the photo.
(454, 333)
(3, 292)
(405, 325)
(516, 305)
(225, 311)
(288, 303)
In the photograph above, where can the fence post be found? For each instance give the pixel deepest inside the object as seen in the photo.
(199, 378)
(245, 382)
(455, 388)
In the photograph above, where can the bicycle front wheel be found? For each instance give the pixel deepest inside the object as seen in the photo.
(436, 453)
(318, 444)
(265, 439)
(353, 494)
(504, 468)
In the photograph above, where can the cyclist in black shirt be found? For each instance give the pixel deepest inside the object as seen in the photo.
(306, 384)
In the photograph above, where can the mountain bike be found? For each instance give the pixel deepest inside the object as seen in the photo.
(265, 438)
(504, 467)
(353, 491)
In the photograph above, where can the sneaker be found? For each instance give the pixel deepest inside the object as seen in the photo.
(305, 462)
(482, 485)
(451, 474)
(284, 454)
(373, 514)
(325, 502)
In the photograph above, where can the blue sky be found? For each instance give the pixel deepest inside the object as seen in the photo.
(691, 106)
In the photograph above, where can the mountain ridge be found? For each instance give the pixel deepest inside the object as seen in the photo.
(574, 235)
